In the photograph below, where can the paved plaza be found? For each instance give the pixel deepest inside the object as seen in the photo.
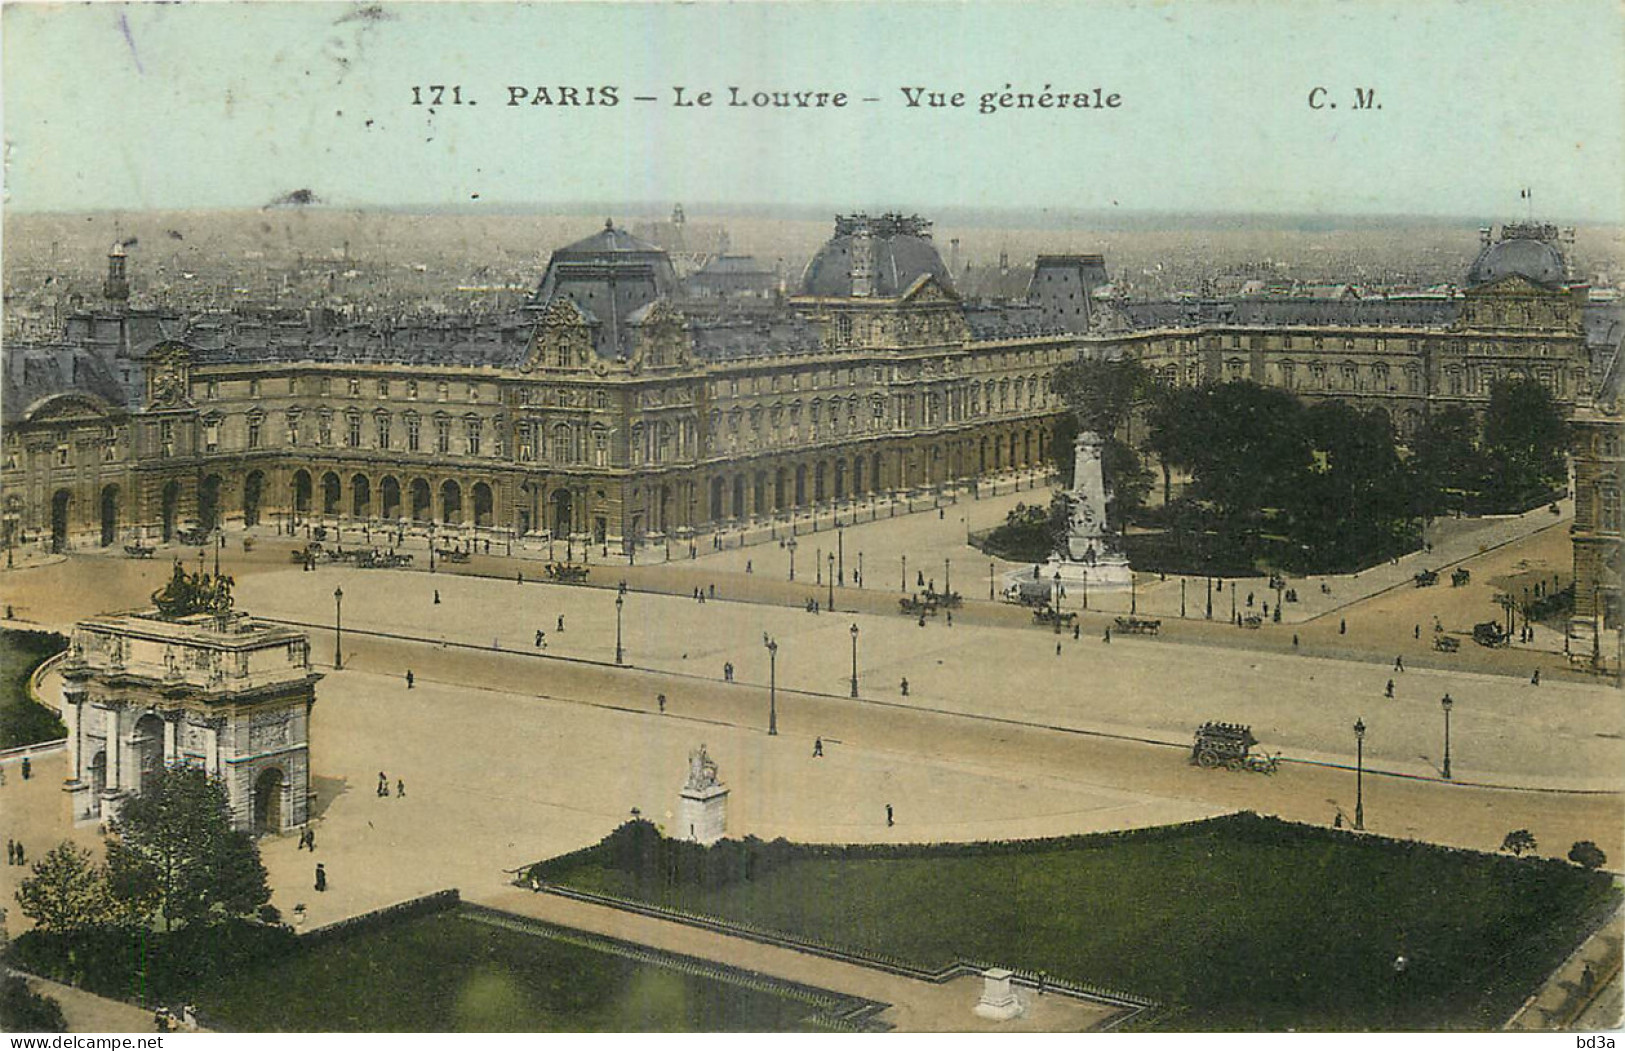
(511, 752)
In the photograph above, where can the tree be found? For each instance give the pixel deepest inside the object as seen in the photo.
(1102, 392)
(67, 892)
(1447, 460)
(24, 1011)
(1525, 441)
(1518, 842)
(1588, 854)
(175, 855)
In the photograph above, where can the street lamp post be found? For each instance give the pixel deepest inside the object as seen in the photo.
(1057, 583)
(1209, 598)
(1133, 595)
(854, 631)
(1446, 703)
(1359, 774)
(860, 569)
(832, 582)
(338, 628)
(1181, 597)
(990, 582)
(840, 554)
(905, 574)
(790, 545)
(947, 576)
(620, 601)
(772, 687)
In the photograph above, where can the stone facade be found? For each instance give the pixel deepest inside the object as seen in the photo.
(227, 694)
(1598, 432)
(612, 411)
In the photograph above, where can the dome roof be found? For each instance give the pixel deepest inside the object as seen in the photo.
(1523, 257)
(902, 254)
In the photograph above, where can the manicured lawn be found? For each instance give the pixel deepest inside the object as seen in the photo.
(450, 973)
(21, 720)
(1237, 923)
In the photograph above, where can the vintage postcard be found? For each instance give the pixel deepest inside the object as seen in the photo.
(812, 517)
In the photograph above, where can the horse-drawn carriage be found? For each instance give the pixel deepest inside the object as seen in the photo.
(381, 560)
(565, 573)
(1138, 626)
(197, 536)
(1491, 634)
(1446, 644)
(1460, 578)
(139, 550)
(1252, 621)
(1052, 616)
(305, 555)
(452, 555)
(1229, 745)
(1427, 578)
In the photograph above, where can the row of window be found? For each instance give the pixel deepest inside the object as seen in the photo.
(353, 387)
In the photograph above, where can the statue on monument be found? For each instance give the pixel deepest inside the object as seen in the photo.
(702, 770)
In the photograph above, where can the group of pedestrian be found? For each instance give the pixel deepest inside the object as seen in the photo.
(383, 792)
(307, 840)
(14, 853)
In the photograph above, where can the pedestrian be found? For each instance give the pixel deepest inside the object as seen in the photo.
(1337, 821)
(437, 596)
(400, 789)
(383, 784)
(905, 687)
(1399, 663)
(749, 567)
(519, 577)
(1077, 632)
(1389, 692)
(1057, 649)
(941, 513)
(921, 576)
(1043, 981)
(818, 748)
(950, 618)
(539, 636)
(1294, 640)
(1416, 632)
(1249, 600)
(22, 858)
(321, 877)
(28, 768)
(561, 623)
(661, 700)
(310, 838)
(889, 821)
(1534, 680)
(922, 618)
(1108, 636)
(11, 851)
(1342, 627)
(713, 591)
(409, 678)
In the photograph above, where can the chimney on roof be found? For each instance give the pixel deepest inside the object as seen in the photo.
(863, 262)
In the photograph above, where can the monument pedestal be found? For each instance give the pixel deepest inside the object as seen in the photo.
(999, 1001)
(702, 814)
(702, 805)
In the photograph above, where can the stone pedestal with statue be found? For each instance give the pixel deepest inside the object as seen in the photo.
(702, 807)
(1091, 557)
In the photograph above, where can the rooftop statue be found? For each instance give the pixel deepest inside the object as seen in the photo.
(189, 593)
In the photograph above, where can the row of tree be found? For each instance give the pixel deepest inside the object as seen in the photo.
(1312, 487)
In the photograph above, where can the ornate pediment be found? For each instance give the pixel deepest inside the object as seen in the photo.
(562, 337)
(928, 291)
(68, 407)
(169, 376)
(662, 337)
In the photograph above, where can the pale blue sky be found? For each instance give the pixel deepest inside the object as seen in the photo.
(230, 105)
